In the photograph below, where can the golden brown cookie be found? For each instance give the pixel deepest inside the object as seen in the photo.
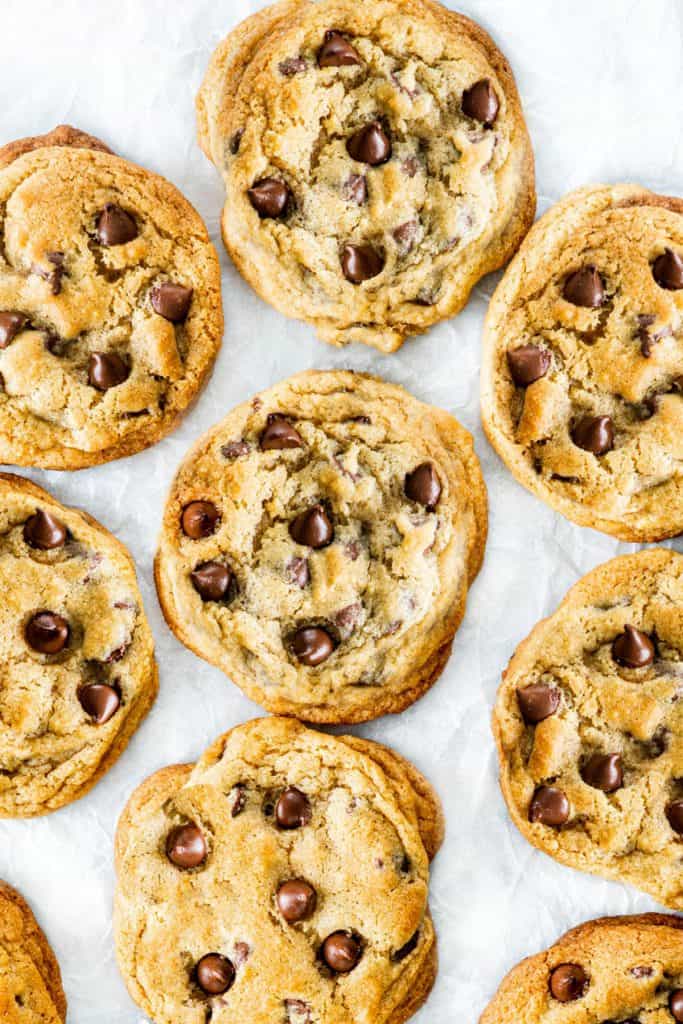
(284, 877)
(583, 363)
(589, 726)
(76, 651)
(110, 303)
(30, 982)
(319, 543)
(626, 969)
(375, 159)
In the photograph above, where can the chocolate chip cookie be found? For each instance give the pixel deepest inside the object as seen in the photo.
(589, 726)
(627, 969)
(318, 545)
(284, 877)
(30, 982)
(375, 159)
(76, 651)
(110, 303)
(583, 362)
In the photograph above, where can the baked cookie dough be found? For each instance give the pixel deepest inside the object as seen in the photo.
(284, 877)
(589, 726)
(627, 969)
(110, 303)
(583, 362)
(375, 159)
(76, 651)
(30, 982)
(318, 545)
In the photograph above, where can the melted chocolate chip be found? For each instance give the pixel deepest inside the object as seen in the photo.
(43, 531)
(633, 648)
(371, 145)
(312, 645)
(674, 813)
(211, 580)
(568, 982)
(297, 1011)
(292, 66)
(341, 952)
(47, 633)
(676, 1004)
(337, 51)
(293, 809)
(279, 434)
(406, 235)
(481, 103)
(200, 519)
(115, 226)
(269, 197)
(528, 363)
(585, 288)
(55, 275)
(594, 434)
(235, 450)
(312, 528)
(186, 846)
(239, 799)
(549, 806)
(423, 486)
(298, 571)
(361, 263)
(604, 772)
(537, 702)
(215, 974)
(296, 901)
(100, 701)
(172, 301)
(10, 325)
(355, 189)
(405, 951)
(106, 370)
(667, 270)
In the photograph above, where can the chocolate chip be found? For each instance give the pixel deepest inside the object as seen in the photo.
(172, 301)
(406, 236)
(10, 325)
(370, 145)
(423, 486)
(341, 952)
(538, 702)
(312, 528)
(269, 197)
(337, 52)
(674, 813)
(361, 263)
(642, 971)
(667, 270)
(115, 226)
(633, 648)
(347, 619)
(297, 1011)
(355, 189)
(594, 434)
(47, 633)
(528, 363)
(585, 288)
(54, 276)
(241, 954)
(239, 799)
(604, 772)
(549, 806)
(100, 701)
(292, 66)
(568, 982)
(186, 846)
(200, 519)
(279, 434)
(215, 974)
(481, 103)
(312, 645)
(298, 571)
(106, 370)
(236, 142)
(296, 901)
(43, 531)
(676, 1004)
(211, 580)
(235, 450)
(405, 951)
(293, 809)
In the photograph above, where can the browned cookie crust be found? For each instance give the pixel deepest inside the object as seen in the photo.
(626, 969)
(359, 830)
(30, 981)
(62, 135)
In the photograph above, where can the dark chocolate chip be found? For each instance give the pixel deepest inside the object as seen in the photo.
(292, 66)
(594, 434)
(537, 702)
(312, 528)
(43, 531)
(604, 772)
(100, 701)
(296, 901)
(54, 276)
(236, 142)
(279, 434)
(215, 974)
(312, 645)
(337, 51)
(10, 325)
(341, 952)
(361, 263)
(405, 951)
(211, 580)
(667, 270)
(423, 486)
(269, 197)
(549, 806)
(235, 450)
(200, 519)
(115, 226)
(293, 809)
(371, 145)
(585, 288)
(298, 571)
(172, 301)
(239, 799)
(528, 363)
(186, 846)
(568, 982)
(633, 648)
(106, 370)
(47, 633)
(676, 1004)
(406, 235)
(355, 189)
(481, 103)
(674, 813)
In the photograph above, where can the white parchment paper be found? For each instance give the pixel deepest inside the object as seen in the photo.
(602, 86)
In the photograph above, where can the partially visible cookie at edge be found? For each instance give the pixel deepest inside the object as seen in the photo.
(30, 981)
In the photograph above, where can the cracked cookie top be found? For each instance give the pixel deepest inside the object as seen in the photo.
(30, 982)
(318, 545)
(375, 159)
(589, 725)
(110, 308)
(626, 969)
(583, 363)
(76, 651)
(288, 875)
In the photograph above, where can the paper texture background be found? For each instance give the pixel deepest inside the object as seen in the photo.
(602, 87)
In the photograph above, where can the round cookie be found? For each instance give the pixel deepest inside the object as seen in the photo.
(288, 873)
(589, 726)
(76, 651)
(110, 303)
(583, 364)
(30, 981)
(614, 969)
(319, 542)
(375, 159)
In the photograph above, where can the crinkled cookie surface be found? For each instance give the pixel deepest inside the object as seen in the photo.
(318, 545)
(375, 159)
(283, 878)
(583, 362)
(589, 726)
(30, 983)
